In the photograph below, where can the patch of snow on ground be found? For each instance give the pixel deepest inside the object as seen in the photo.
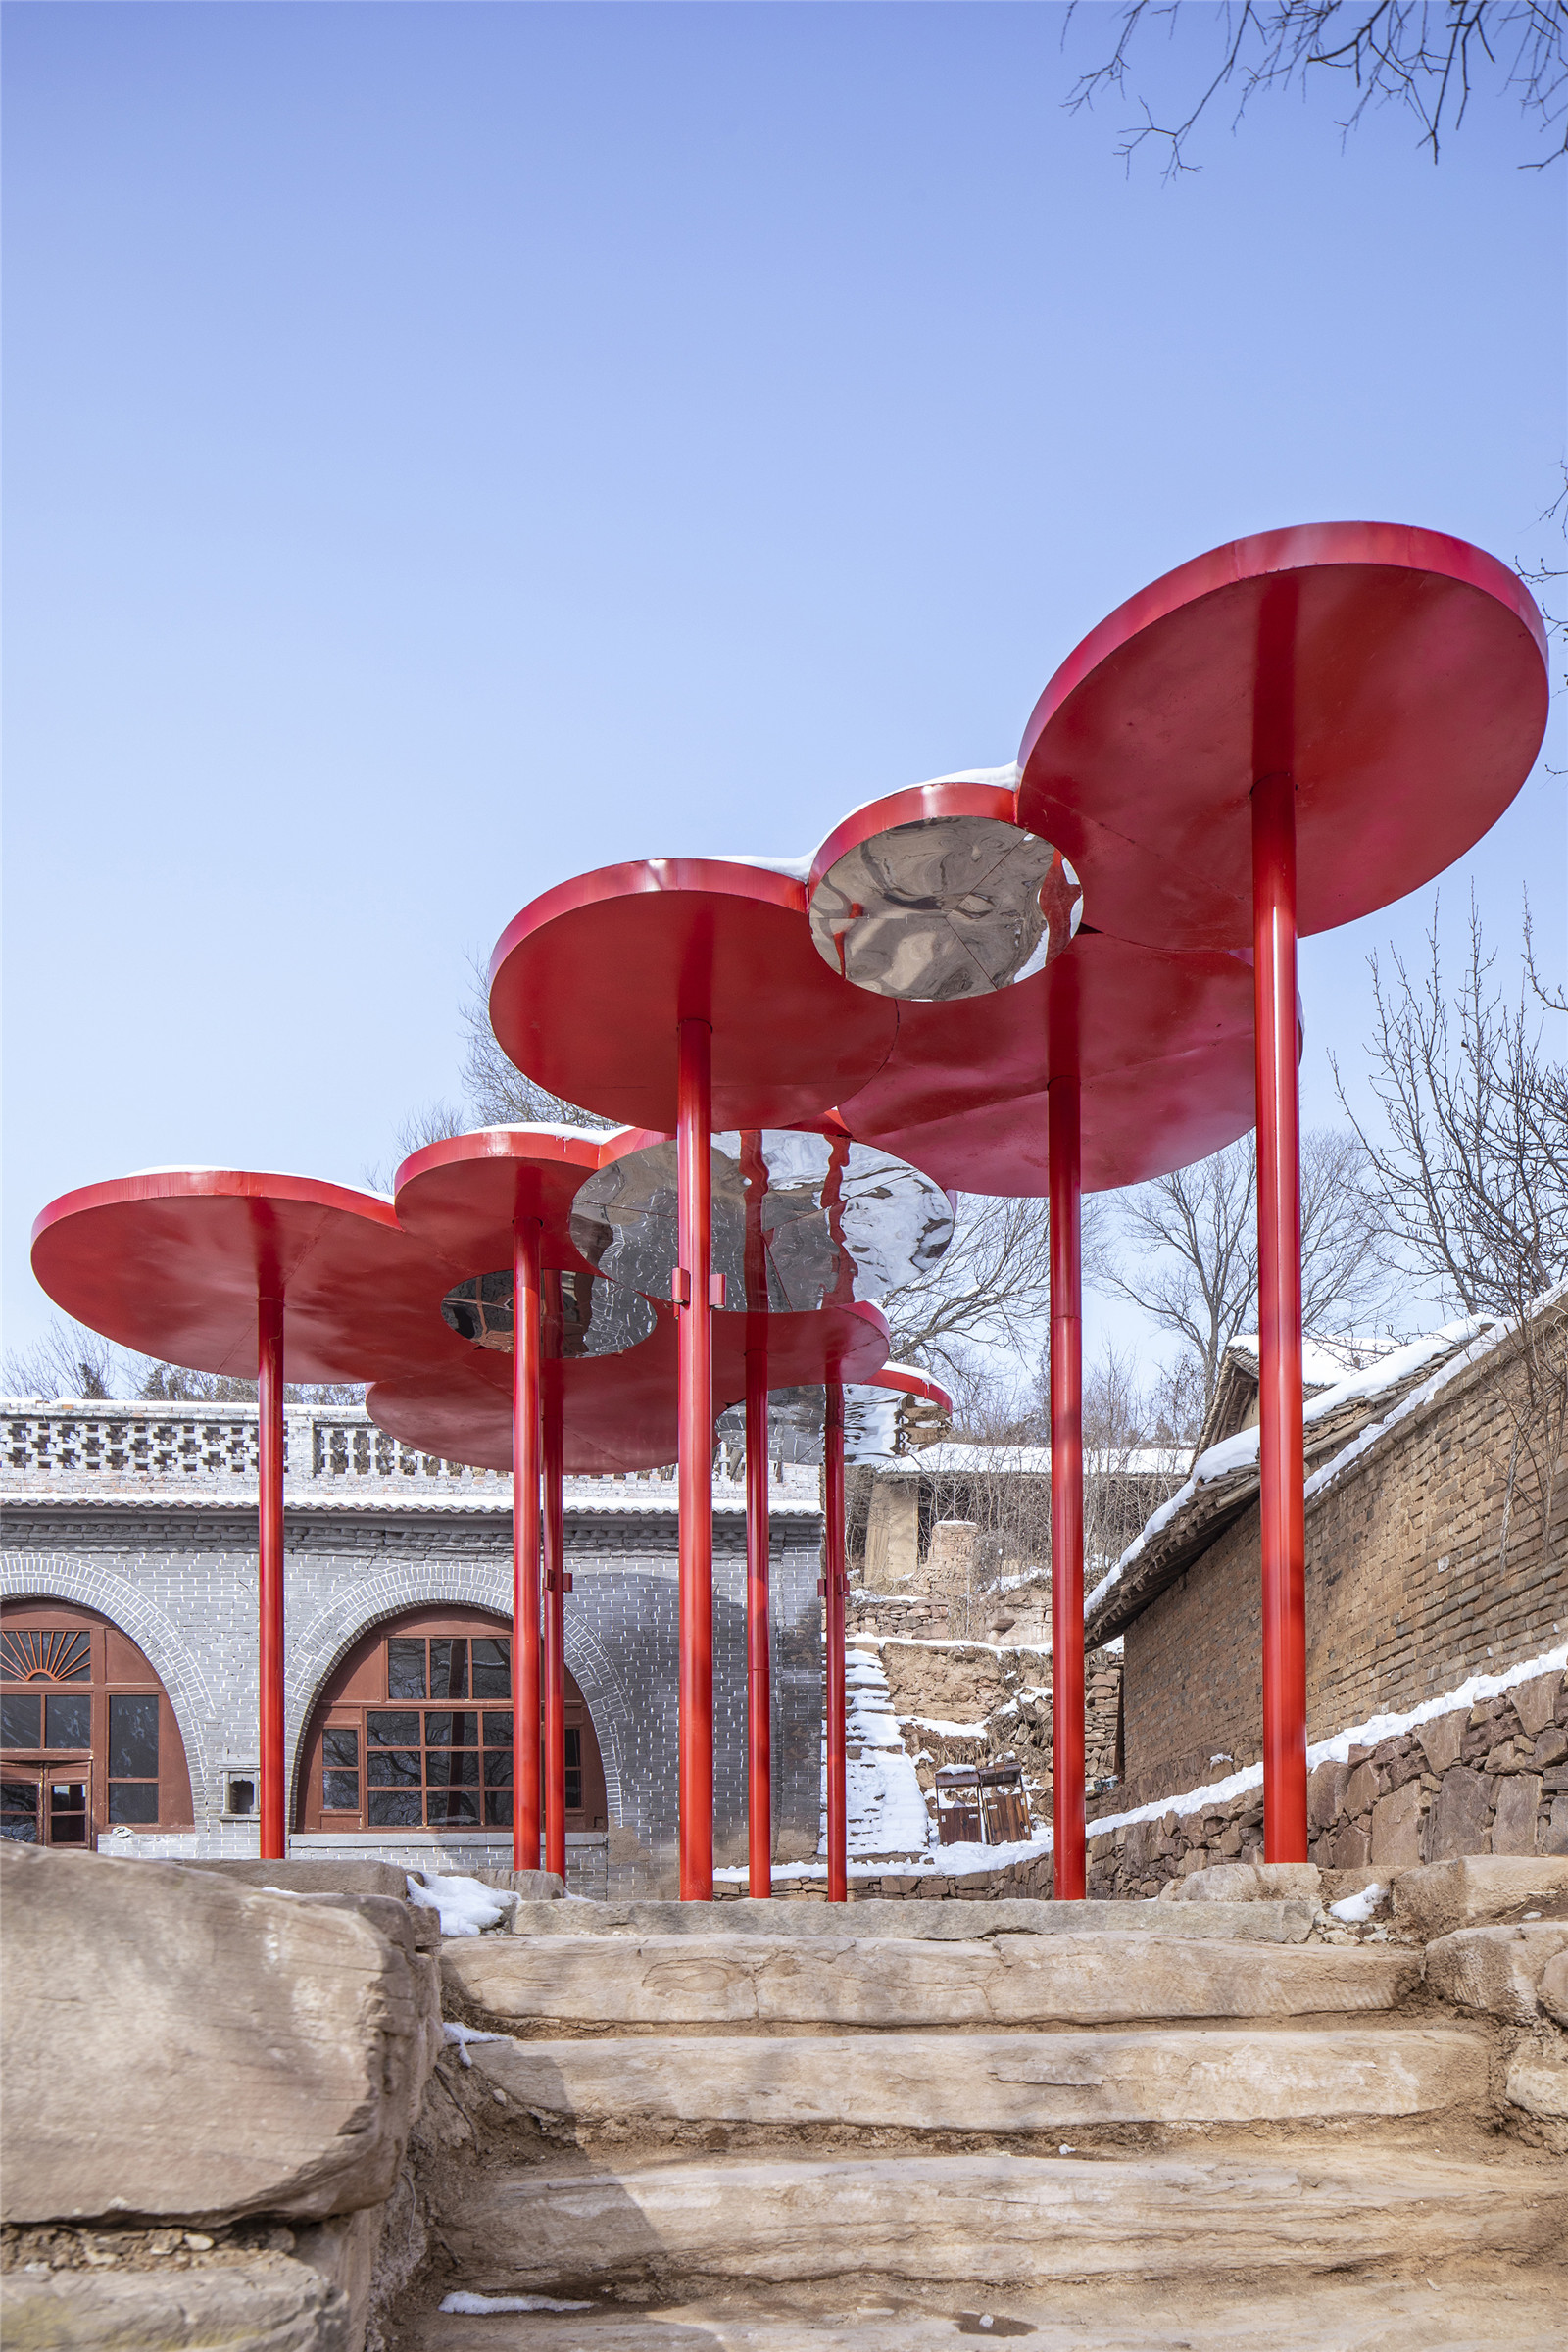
(471, 2306)
(887, 1808)
(1357, 1909)
(466, 1906)
(460, 2038)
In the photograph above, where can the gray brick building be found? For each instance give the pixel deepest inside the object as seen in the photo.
(146, 1516)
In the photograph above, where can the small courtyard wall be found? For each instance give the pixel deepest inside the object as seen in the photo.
(1430, 1556)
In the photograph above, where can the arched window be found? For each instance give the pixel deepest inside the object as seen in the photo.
(87, 1736)
(413, 1730)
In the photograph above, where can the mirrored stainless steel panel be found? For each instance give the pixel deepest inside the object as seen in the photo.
(946, 906)
(596, 1318)
(798, 1220)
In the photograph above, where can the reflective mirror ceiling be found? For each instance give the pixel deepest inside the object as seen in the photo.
(947, 906)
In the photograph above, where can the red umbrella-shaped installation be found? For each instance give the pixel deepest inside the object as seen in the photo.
(677, 994)
(603, 1382)
(1033, 1057)
(1288, 732)
(232, 1272)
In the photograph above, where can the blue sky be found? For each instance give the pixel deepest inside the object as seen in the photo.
(450, 447)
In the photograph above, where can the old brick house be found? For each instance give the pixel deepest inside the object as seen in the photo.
(1437, 1492)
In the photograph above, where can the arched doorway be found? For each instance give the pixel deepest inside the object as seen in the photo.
(88, 1739)
(413, 1730)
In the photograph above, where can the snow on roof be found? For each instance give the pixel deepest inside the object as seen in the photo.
(1327, 1357)
(953, 1460)
(1460, 1341)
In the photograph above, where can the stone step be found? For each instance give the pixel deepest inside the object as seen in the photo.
(1009, 2220)
(1507, 2311)
(745, 1982)
(1287, 1920)
(990, 2081)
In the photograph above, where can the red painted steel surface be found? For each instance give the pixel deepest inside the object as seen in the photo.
(267, 1326)
(694, 1130)
(1399, 674)
(171, 1263)
(463, 1196)
(759, 1676)
(1066, 1494)
(1279, 1284)
(1162, 1042)
(553, 1668)
(527, 1630)
(946, 796)
(590, 982)
(835, 1583)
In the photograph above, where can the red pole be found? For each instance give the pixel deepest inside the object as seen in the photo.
(1279, 1288)
(834, 1583)
(758, 1682)
(525, 1544)
(1066, 1491)
(555, 1598)
(270, 1572)
(694, 1187)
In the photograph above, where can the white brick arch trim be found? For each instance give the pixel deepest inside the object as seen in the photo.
(606, 1698)
(91, 1585)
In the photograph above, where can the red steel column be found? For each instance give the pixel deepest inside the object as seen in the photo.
(525, 1544)
(555, 1598)
(693, 1188)
(269, 1574)
(759, 1678)
(1066, 1490)
(834, 1582)
(1279, 1287)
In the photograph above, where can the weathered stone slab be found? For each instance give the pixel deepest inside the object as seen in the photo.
(1443, 1738)
(1496, 1969)
(1256, 1920)
(753, 1981)
(1536, 1704)
(1441, 1896)
(1539, 2089)
(1252, 1882)
(267, 2304)
(177, 2045)
(352, 1874)
(990, 2081)
(1513, 1826)
(1552, 1990)
(995, 2218)
(1396, 1829)
(1457, 1822)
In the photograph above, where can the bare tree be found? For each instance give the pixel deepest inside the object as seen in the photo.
(1429, 58)
(1194, 1242)
(992, 1291)
(68, 1360)
(1472, 1174)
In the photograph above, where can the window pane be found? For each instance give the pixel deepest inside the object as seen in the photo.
(574, 1748)
(492, 1669)
(454, 1805)
(67, 1722)
(451, 1731)
(341, 1746)
(133, 1800)
(450, 1771)
(402, 1810)
(392, 1771)
(498, 1729)
(68, 1813)
(498, 1810)
(340, 1791)
(449, 1670)
(134, 1739)
(498, 1768)
(404, 1670)
(18, 1811)
(573, 1790)
(392, 1731)
(20, 1720)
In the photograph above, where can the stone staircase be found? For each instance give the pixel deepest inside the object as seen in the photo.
(1210, 2125)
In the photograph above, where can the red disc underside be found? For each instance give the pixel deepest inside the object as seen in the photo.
(1163, 1046)
(1397, 674)
(588, 985)
(619, 1411)
(173, 1265)
(464, 1195)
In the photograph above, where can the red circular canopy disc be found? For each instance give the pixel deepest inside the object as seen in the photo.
(618, 1412)
(916, 804)
(464, 1195)
(907, 1381)
(1163, 1046)
(587, 986)
(1398, 676)
(173, 1265)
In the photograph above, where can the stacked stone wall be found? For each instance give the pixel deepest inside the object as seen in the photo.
(1434, 1556)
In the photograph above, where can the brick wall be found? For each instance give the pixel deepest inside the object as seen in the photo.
(1409, 1588)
